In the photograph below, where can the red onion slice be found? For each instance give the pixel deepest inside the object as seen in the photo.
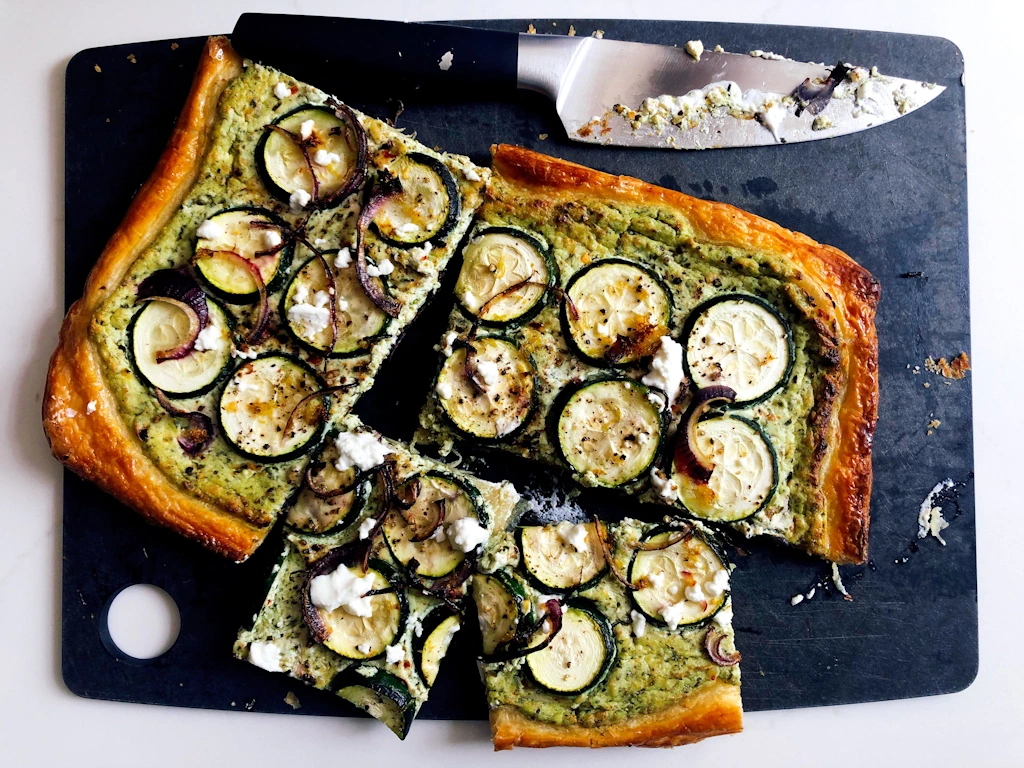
(256, 334)
(688, 459)
(177, 288)
(442, 510)
(713, 644)
(325, 392)
(386, 188)
(358, 137)
(554, 616)
(197, 436)
(407, 493)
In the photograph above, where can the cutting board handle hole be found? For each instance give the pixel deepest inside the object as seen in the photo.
(139, 624)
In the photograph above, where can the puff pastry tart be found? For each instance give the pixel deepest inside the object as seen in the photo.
(677, 349)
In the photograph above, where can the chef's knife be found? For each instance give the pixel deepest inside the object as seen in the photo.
(605, 91)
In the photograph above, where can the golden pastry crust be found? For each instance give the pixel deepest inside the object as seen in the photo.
(846, 295)
(713, 709)
(99, 446)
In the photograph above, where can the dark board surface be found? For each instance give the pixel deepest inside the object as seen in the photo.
(893, 197)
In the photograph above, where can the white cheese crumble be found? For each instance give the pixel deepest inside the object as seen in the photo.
(446, 61)
(443, 389)
(245, 354)
(639, 623)
(323, 157)
(394, 654)
(718, 584)
(90, 407)
(838, 581)
(70, 413)
(408, 229)
(488, 372)
(343, 259)
(796, 599)
(695, 48)
(298, 200)
(306, 129)
(446, 347)
(439, 535)
(574, 535)
(341, 588)
(768, 55)
(930, 521)
(210, 338)
(282, 91)
(271, 238)
(363, 648)
(467, 534)
(657, 579)
(667, 368)
(724, 617)
(673, 614)
(265, 656)
(416, 625)
(694, 594)
(366, 527)
(471, 174)
(359, 449)
(210, 230)
(311, 318)
(666, 487)
(382, 268)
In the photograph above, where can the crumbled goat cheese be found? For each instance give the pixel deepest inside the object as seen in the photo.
(271, 238)
(467, 534)
(394, 654)
(382, 268)
(574, 535)
(343, 259)
(695, 48)
(210, 230)
(930, 521)
(245, 354)
(838, 581)
(341, 588)
(639, 623)
(446, 347)
(210, 338)
(657, 579)
(366, 528)
(666, 487)
(446, 61)
(694, 594)
(313, 318)
(265, 656)
(306, 129)
(298, 200)
(488, 372)
(471, 174)
(718, 584)
(282, 91)
(673, 614)
(724, 617)
(90, 407)
(70, 413)
(796, 599)
(364, 648)
(443, 389)
(323, 157)
(667, 368)
(359, 449)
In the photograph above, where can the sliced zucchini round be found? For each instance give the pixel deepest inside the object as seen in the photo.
(284, 169)
(253, 234)
(615, 312)
(741, 342)
(501, 603)
(497, 260)
(745, 473)
(563, 556)
(431, 646)
(504, 405)
(610, 430)
(363, 637)
(305, 306)
(315, 515)
(159, 326)
(258, 400)
(580, 656)
(428, 208)
(408, 531)
(380, 694)
(688, 581)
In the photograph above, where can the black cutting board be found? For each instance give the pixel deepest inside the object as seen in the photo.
(893, 197)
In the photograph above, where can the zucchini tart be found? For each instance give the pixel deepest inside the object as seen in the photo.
(599, 635)
(257, 282)
(677, 349)
(373, 582)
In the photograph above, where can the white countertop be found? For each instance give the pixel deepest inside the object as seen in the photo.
(42, 724)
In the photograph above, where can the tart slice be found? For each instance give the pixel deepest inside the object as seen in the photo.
(257, 283)
(676, 349)
(373, 582)
(601, 635)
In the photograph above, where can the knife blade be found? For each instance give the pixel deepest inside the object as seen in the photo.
(604, 91)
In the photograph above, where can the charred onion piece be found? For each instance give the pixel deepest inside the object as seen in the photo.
(442, 509)
(177, 288)
(607, 550)
(814, 97)
(554, 616)
(447, 588)
(508, 292)
(688, 459)
(318, 490)
(261, 323)
(472, 372)
(358, 135)
(407, 493)
(386, 188)
(713, 644)
(197, 436)
(386, 472)
(670, 541)
(325, 392)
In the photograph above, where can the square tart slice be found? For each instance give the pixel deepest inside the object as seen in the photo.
(680, 350)
(373, 582)
(612, 636)
(278, 250)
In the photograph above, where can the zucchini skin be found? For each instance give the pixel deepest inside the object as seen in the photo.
(611, 649)
(697, 311)
(539, 585)
(601, 362)
(484, 442)
(562, 399)
(313, 444)
(681, 435)
(261, 167)
(282, 311)
(554, 278)
(283, 266)
(711, 544)
(454, 203)
(384, 684)
(362, 490)
(221, 377)
(433, 620)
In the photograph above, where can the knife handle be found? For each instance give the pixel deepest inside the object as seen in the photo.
(340, 54)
